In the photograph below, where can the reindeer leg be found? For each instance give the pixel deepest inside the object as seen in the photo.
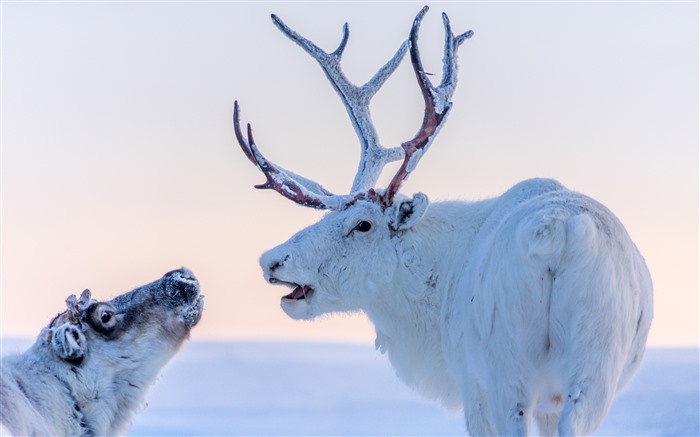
(511, 405)
(547, 423)
(476, 411)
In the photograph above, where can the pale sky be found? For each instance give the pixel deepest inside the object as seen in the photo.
(119, 161)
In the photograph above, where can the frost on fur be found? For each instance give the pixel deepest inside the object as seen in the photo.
(533, 306)
(68, 342)
(90, 368)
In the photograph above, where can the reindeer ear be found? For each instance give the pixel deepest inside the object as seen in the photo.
(68, 342)
(404, 213)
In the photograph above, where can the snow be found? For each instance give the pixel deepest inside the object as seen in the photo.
(295, 388)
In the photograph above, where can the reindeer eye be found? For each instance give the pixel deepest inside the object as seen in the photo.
(363, 226)
(104, 315)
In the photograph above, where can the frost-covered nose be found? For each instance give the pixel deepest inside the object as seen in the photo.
(273, 260)
(181, 285)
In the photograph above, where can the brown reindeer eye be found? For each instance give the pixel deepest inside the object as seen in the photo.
(105, 316)
(363, 226)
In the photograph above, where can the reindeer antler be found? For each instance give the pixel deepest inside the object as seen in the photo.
(437, 101)
(373, 157)
(73, 312)
(292, 186)
(356, 99)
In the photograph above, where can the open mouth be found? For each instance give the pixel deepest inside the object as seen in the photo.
(299, 292)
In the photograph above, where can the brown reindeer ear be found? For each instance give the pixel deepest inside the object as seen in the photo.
(68, 342)
(404, 213)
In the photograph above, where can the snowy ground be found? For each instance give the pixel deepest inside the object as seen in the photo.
(269, 388)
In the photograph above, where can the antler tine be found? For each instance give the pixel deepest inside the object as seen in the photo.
(373, 156)
(292, 186)
(437, 101)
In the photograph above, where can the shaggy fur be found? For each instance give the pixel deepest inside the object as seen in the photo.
(533, 305)
(90, 368)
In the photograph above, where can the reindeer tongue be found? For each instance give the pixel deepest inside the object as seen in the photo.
(301, 292)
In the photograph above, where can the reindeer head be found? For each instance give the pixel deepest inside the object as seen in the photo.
(333, 265)
(106, 354)
(151, 318)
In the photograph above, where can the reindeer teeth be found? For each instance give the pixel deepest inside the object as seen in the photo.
(300, 292)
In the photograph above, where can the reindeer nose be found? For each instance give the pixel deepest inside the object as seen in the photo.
(184, 274)
(271, 261)
(181, 285)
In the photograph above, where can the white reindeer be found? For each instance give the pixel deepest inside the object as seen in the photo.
(90, 368)
(532, 304)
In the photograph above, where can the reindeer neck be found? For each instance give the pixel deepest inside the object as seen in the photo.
(37, 384)
(408, 319)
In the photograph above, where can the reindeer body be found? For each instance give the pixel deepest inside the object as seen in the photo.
(532, 305)
(549, 316)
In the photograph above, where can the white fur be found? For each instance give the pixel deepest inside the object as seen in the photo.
(81, 380)
(535, 304)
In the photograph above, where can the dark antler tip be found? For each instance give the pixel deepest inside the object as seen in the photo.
(417, 21)
(463, 37)
(250, 134)
(277, 22)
